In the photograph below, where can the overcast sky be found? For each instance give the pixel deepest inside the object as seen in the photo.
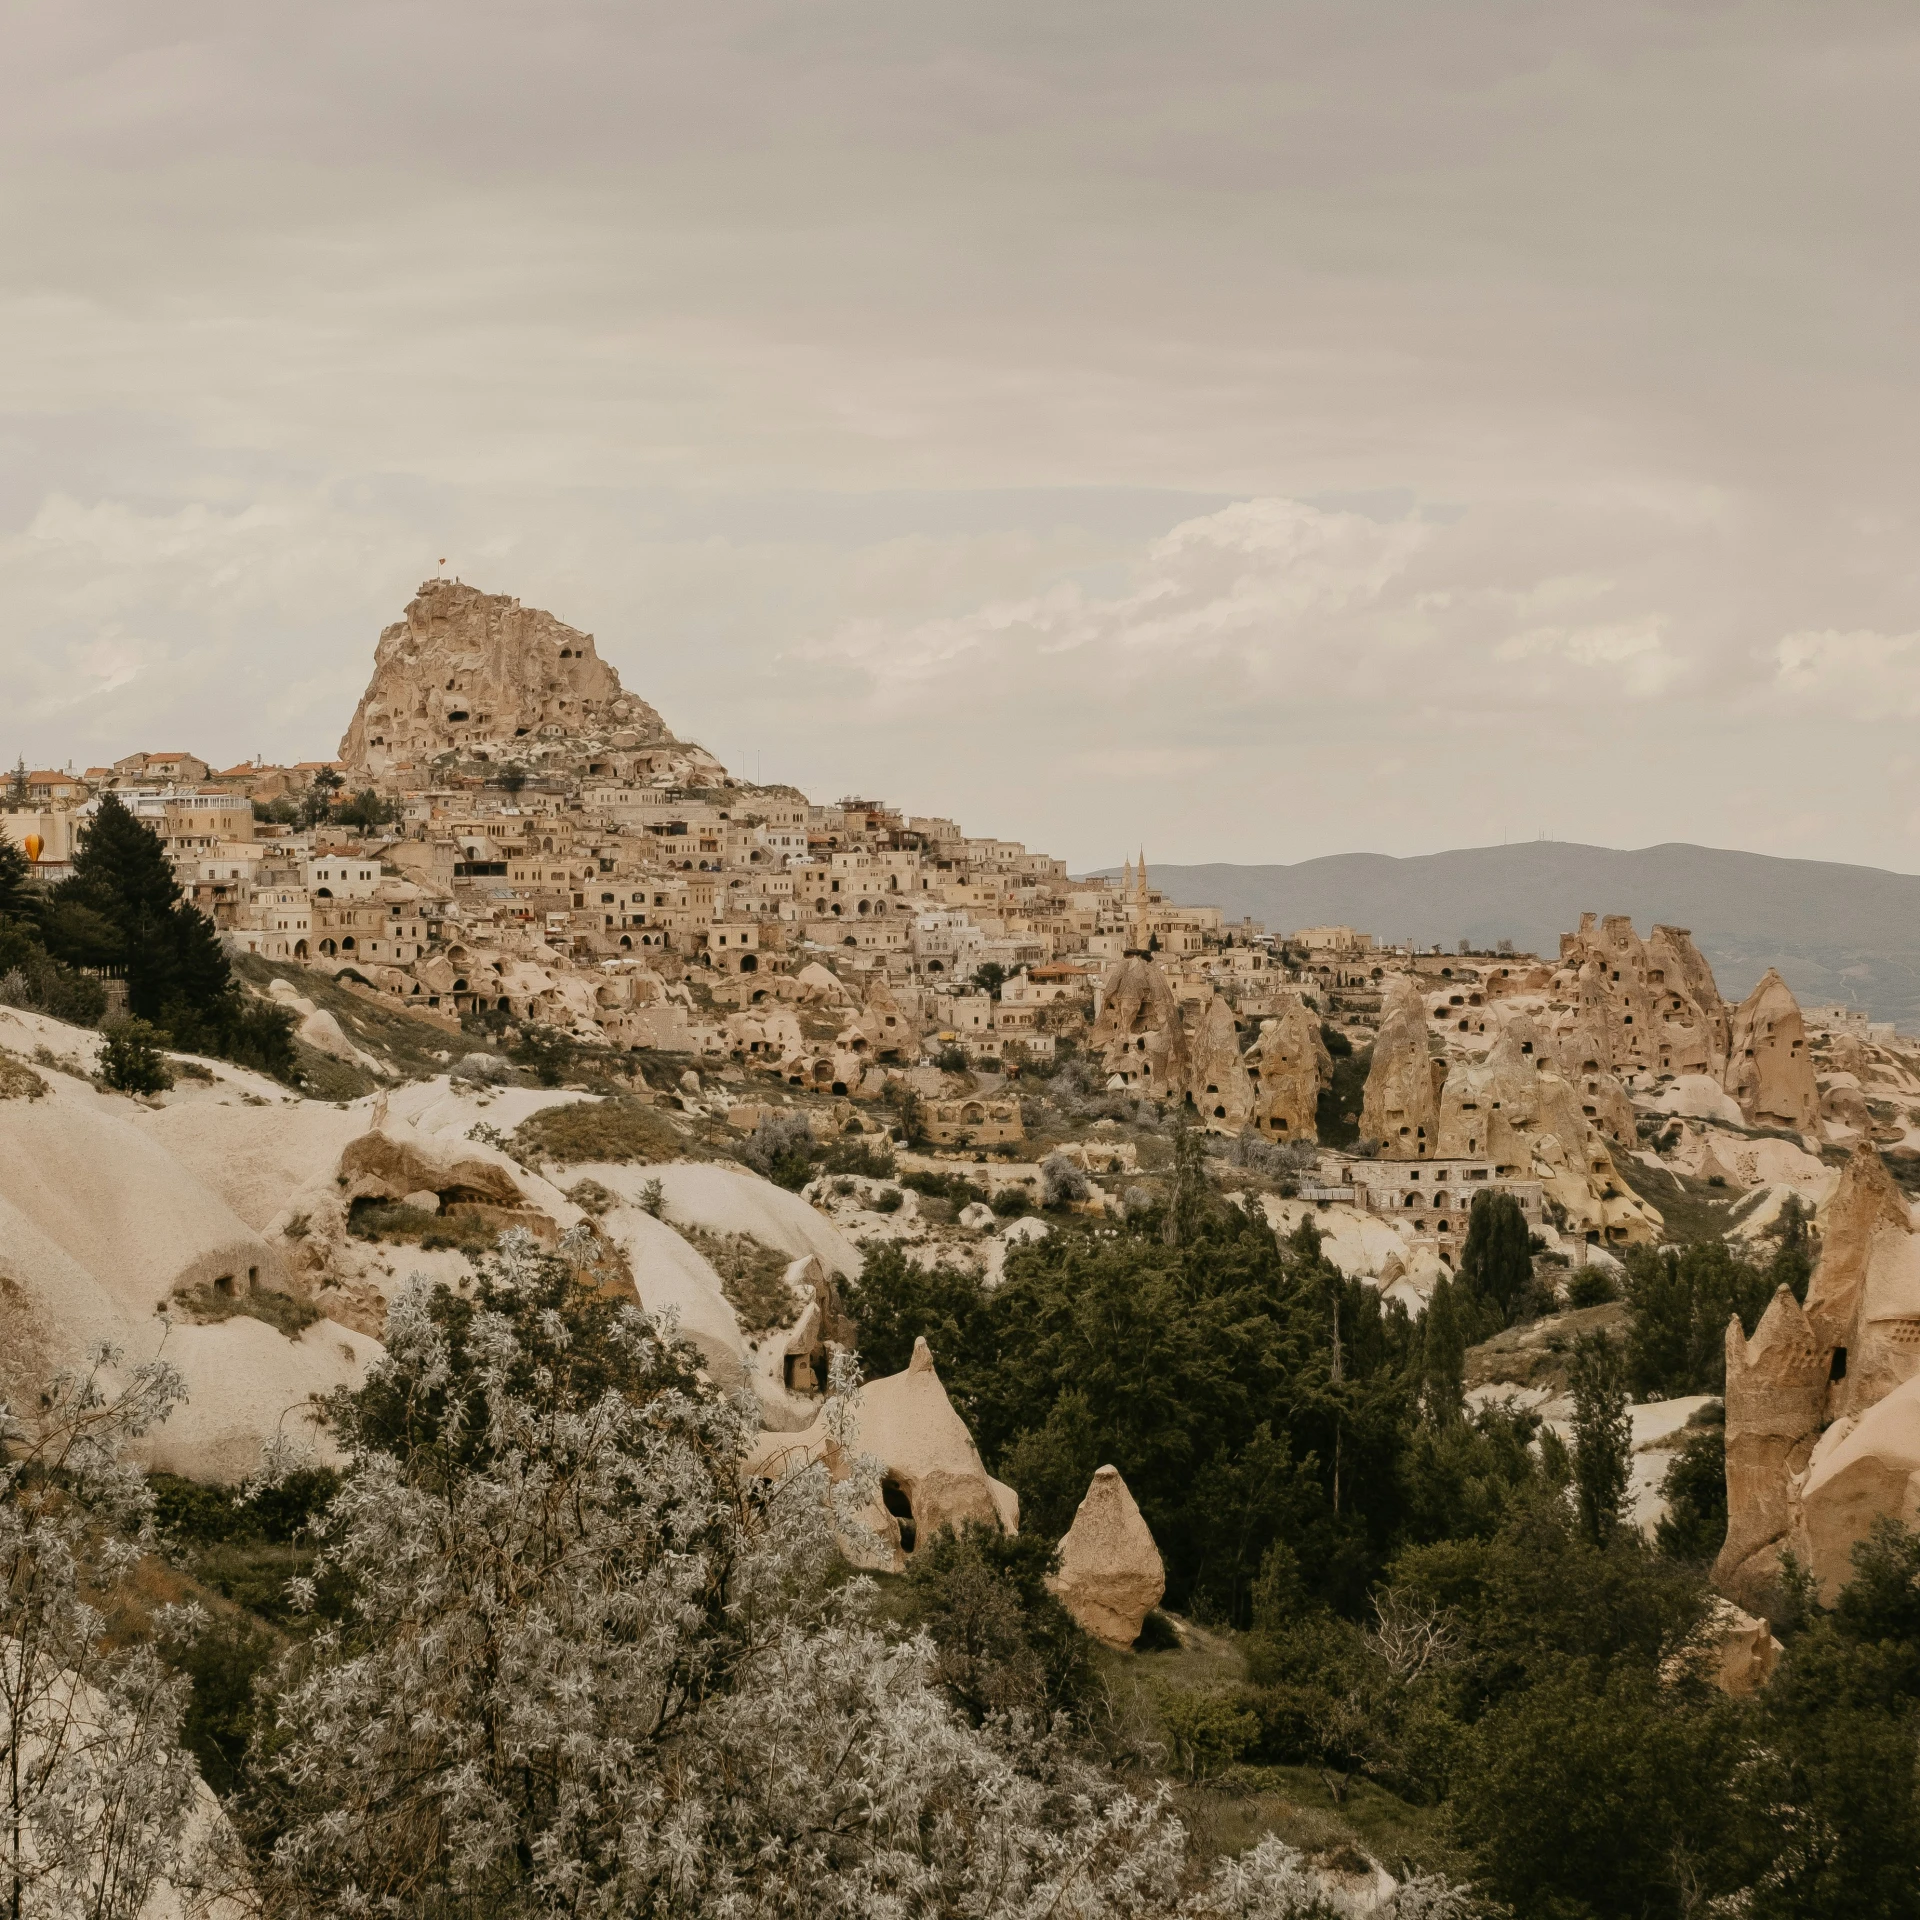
(1255, 431)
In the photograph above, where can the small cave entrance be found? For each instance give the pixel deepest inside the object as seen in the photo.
(897, 1504)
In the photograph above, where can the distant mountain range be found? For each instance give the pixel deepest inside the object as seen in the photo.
(1837, 933)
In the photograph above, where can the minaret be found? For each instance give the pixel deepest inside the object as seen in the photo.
(1126, 880)
(1141, 882)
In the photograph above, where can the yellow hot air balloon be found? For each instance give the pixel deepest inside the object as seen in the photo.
(33, 844)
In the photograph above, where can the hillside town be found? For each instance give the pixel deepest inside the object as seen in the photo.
(817, 1033)
(508, 837)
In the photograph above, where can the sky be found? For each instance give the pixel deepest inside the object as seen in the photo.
(1248, 432)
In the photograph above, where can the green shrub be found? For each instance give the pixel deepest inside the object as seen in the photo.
(782, 1148)
(131, 1060)
(1003, 1643)
(1206, 1732)
(752, 1276)
(1694, 1527)
(944, 1186)
(18, 1081)
(1682, 1298)
(1592, 1287)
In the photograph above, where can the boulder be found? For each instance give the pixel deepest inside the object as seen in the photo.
(1740, 1652)
(324, 1034)
(1111, 1576)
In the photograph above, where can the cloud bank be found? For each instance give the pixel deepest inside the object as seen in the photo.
(1261, 430)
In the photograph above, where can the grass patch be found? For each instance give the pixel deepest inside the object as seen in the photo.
(408, 1045)
(321, 1077)
(1299, 1805)
(395, 1223)
(621, 1131)
(18, 1081)
(206, 1305)
(1693, 1210)
(752, 1276)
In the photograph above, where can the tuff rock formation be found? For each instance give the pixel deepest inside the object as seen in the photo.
(1635, 1007)
(1514, 1109)
(933, 1473)
(1860, 1471)
(1823, 1405)
(1138, 1036)
(1401, 1105)
(1221, 1088)
(1288, 1065)
(480, 676)
(1111, 1576)
(1776, 1394)
(1769, 1069)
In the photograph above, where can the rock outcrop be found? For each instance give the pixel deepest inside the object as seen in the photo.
(1740, 1652)
(1776, 1392)
(1111, 1576)
(1512, 1108)
(1637, 1007)
(1861, 1471)
(1823, 1405)
(479, 676)
(1770, 1069)
(1864, 1298)
(1138, 1037)
(933, 1477)
(1401, 1105)
(1288, 1066)
(1221, 1089)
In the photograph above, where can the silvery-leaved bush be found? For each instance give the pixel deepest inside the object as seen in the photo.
(102, 1815)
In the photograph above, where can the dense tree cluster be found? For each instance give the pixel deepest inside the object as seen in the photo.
(1449, 1604)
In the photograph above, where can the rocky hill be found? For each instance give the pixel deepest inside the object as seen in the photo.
(1835, 932)
(477, 677)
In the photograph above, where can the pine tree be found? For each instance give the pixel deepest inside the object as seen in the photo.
(123, 906)
(15, 871)
(123, 882)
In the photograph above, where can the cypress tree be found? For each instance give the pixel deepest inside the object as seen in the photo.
(1443, 1357)
(1602, 1436)
(1496, 1259)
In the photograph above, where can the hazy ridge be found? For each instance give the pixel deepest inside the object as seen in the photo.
(1836, 932)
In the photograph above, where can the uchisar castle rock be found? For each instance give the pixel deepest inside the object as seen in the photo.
(542, 872)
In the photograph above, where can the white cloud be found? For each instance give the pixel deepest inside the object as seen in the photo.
(1862, 674)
